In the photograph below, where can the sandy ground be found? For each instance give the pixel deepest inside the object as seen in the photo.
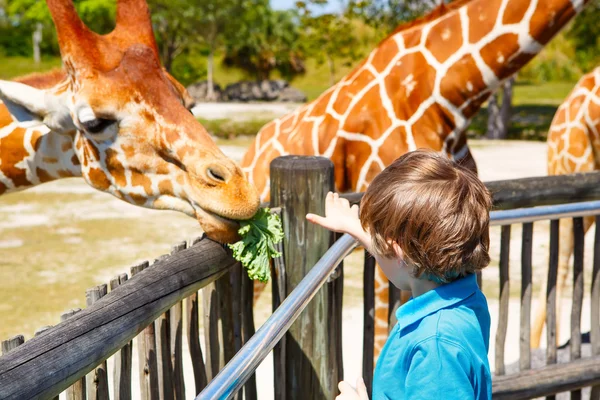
(59, 235)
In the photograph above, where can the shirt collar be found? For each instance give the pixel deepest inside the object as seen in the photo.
(434, 300)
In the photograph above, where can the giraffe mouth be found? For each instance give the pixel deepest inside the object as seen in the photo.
(217, 227)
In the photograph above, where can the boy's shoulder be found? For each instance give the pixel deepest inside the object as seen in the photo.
(465, 324)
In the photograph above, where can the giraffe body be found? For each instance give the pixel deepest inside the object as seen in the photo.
(573, 146)
(419, 88)
(115, 117)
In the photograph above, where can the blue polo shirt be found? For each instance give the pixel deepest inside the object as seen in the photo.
(438, 349)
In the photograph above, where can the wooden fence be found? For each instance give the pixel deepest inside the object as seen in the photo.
(159, 305)
(72, 355)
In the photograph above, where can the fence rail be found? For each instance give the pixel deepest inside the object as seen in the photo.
(49, 363)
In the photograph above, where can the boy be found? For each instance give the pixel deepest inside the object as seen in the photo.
(425, 219)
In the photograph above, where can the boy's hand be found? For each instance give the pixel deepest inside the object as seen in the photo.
(339, 216)
(347, 392)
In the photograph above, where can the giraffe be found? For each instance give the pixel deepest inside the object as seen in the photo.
(573, 146)
(419, 87)
(116, 118)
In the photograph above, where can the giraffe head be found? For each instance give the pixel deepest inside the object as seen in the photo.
(132, 132)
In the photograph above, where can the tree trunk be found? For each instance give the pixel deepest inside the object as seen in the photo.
(37, 39)
(210, 93)
(331, 70)
(499, 115)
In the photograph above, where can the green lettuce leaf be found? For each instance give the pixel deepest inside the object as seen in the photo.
(259, 236)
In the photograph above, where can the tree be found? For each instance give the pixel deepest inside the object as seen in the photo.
(214, 20)
(34, 17)
(386, 15)
(328, 37)
(584, 32)
(265, 40)
(499, 115)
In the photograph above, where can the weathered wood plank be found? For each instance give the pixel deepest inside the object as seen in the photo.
(235, 280)
(40, 331)
(77, 391)
(12, 343)
(147, 358)
(193, 338)
(122, 358)
(278, 290)
(595, 304)
(369, 320)
(545, 381)
(536, 191)
(578, 238)
(176, 337)
(218, 325)
(247, 296)
(504, 297)
(163, 357)
(551, 296)
(61, 356)
(176, 347)
(299, 186)
(526, 287)
(97, 381)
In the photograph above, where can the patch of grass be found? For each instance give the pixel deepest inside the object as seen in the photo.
(12, 67)
(528, 122)
(548, 93)
(230, 129)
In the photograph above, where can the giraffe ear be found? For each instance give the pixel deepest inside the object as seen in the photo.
(28, 104)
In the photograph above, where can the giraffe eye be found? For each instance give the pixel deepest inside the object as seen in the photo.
(97, 125)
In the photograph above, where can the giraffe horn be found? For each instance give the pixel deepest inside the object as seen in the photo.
(134, 22)
(69, 27)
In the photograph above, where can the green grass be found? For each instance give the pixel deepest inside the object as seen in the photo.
(548, 93)
(12, 67)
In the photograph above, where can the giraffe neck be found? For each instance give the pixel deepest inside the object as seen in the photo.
(31, 154)
(475, 47)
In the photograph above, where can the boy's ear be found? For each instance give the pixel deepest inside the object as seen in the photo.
(28, 104)
(398, 250)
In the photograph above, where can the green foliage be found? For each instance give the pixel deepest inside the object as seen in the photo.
(584, 33)
(257, 246)
(328, 37)
(554, 63)
(189, 68)
(265, 40)
(386, 15)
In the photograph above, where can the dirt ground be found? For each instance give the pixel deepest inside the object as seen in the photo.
(62, 237)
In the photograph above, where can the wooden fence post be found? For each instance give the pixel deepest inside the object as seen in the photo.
(122, 358)
(314, 341)
(176, 336)
(146, 342)
(97, 380)
(76, 391)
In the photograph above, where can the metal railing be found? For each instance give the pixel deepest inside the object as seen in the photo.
(532, 214)
(233, 376)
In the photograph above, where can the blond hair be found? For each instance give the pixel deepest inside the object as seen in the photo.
(435, 210)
